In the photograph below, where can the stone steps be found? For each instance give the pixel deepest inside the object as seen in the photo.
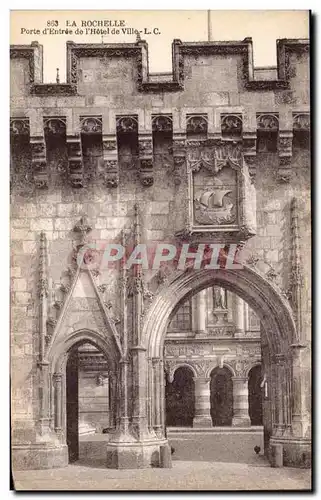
(214, 430)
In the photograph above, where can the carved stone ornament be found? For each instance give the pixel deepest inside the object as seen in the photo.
(82, 228)
(146, 172)
(127, 124)
(39, 162)
(19, 126)
(196, 124)
(162, 123)
(301, 121)
(76, 169)
(267, 122)
(109, 145)
(214, 159)
(55, 126)
(231, 124)
(145, 147)
(90, 125)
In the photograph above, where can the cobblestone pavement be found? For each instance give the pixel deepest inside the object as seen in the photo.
(201, 462)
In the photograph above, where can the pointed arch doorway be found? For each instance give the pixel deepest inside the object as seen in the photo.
(277, 323)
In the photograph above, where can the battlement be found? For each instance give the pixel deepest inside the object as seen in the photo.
(184, 55)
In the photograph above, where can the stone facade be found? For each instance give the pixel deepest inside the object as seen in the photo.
(219, 153)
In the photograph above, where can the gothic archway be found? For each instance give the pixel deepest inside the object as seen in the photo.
(276, 318)
(64, 384)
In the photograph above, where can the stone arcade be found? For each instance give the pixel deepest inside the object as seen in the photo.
(216, 152)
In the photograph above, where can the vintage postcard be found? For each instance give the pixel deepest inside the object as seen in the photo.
(160, 250)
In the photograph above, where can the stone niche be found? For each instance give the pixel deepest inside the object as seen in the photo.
(221, 197)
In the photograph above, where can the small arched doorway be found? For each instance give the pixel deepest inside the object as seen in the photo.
(88, 398)
(180, 399)
(221, 387)
(255, 395)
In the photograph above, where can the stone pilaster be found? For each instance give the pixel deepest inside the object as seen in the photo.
(239, 316)
(240, 402)
(200, 312)
(202, 417)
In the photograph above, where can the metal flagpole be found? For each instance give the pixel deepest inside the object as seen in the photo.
(209, 28)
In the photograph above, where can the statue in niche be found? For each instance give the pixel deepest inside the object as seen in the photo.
(219, 298)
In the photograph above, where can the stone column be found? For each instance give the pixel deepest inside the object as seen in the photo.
(139, 420)
(202, 417)
(157, 389)
(279, 425)
(199, 311)
(57, 379)
(239, 316)
(246, 317)
(240, 402)
(300, 390)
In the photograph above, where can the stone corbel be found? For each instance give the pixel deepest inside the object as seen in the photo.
(75, 160)
(111, 168)
(39, 161)
(285, 155)
(145, 145)
(179, 157)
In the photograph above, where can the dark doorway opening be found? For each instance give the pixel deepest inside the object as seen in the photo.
(72, 406)
(221, 397)
(180, 399)
(255, 396)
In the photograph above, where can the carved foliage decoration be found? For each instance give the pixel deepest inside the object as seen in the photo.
(90, 125)
(231, 124)
(27, 54)
(19, 127)
(162, 123)
(301, 121)
(127, 124)
(54, 126)
(196, 124)
(267, 122)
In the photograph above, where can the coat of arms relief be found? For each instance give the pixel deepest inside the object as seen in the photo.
(214, 184)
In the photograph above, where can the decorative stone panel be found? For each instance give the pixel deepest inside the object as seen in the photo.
(220, 196)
